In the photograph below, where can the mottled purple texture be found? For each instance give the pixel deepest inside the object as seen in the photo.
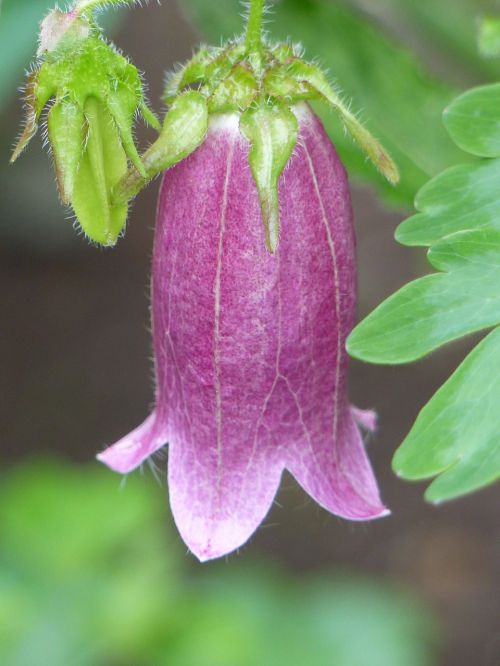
(249, 348)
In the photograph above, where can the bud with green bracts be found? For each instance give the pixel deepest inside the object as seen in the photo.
(94, 94)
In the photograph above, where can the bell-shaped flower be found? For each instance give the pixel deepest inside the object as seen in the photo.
(254, 269)
(249, 345)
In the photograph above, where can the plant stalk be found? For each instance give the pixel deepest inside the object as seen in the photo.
(253, 39)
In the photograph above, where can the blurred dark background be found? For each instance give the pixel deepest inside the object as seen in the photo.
(76, 375)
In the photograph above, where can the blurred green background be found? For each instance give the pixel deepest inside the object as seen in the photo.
(91, 570)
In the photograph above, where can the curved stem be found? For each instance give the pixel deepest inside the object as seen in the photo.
(253, 39)
(88, 6)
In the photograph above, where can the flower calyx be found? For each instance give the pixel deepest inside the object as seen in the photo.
(262, 85)
(94, 94)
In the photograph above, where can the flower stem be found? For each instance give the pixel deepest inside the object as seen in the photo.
(253, 39)
(88, 6)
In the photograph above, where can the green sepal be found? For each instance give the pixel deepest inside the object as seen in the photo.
(192, 72)
(184, 129)
(278, 83)
(149, 116)
(284, 53)
(235, 92)
(272, 130)
(103, 164)
(313, 75)
(65, 124)
(94, 69)
(37, 94)
(209, 68)
(222, 62)
(122, 107)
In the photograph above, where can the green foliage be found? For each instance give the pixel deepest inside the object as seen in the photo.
(473, 121)
(400, 103)
(80, 566)
(89, 575)
(457, 435)
(462, 197)
(445, 31)
(438, 308)
(489, 37)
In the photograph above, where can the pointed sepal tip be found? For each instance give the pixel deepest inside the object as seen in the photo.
(272, 130)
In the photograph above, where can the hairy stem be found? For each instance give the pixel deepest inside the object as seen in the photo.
(85, 6)
(254, 26)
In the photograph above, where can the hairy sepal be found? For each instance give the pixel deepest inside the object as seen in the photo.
(272, 130)
(102, 165)
(313, 76)
(184, 129)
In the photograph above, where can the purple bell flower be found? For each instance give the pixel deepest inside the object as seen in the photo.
(249, 346)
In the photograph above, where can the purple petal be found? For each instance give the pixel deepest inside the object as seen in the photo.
(366, 418)
(133, 449)
(216, 333)
(338, 474)
(318, 285)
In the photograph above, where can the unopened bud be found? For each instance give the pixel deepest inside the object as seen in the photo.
(97, 95)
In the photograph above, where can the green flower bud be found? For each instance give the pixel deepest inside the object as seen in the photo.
(96, 95)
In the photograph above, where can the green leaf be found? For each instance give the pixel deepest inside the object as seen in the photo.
(437, 308)
(449, 44)
(462, 197)
(473, 121)
(400, 103)
(272, 132)
(102, 165)
(457, 434)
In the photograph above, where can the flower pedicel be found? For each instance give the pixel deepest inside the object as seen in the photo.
(253, 282)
